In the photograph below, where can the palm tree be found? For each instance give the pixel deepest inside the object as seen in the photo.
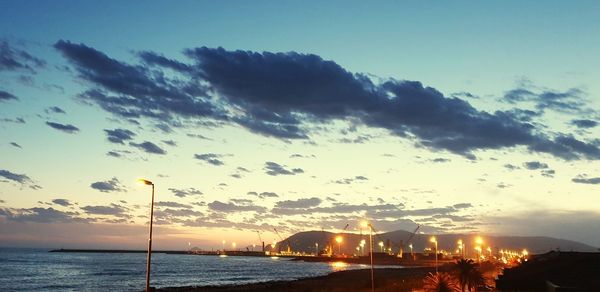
(440, 282)
(468, 274)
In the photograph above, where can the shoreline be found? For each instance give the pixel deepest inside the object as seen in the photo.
(386, 279)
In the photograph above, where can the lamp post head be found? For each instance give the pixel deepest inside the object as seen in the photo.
(433, 240)
(145, 182)
(339, 239)
(479, 240)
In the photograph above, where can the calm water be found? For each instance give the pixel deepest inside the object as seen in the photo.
(39, 270)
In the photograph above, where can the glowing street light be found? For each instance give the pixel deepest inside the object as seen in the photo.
(365, 224)
(233, 244)
(149, 257)
(381, 246)
(339, 240)
(478, 249)
(223, 243)
(411, 251)
(433, 240)
(489, 250)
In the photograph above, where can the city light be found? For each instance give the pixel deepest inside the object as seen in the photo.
(434, 240)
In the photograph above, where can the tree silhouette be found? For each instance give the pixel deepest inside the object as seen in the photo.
(440, 282)
(468, 274)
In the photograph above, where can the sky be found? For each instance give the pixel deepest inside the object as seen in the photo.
(458, 116)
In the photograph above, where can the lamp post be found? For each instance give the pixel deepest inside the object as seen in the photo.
(412, 255)
(479, 242)
(367, 224)
(149, 257)
(316, 249)
(381, 246)
(223, 242)
(433, 240)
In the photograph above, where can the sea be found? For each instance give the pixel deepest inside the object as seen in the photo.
(40, 270)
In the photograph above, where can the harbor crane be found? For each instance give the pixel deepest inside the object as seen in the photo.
(289, 246)
(401, 252)
(260, 240)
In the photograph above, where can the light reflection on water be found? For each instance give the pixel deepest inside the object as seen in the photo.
(31, 269)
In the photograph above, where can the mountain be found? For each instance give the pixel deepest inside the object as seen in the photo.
(306, 241)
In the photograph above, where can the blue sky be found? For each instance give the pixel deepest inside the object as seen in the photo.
(505, 121)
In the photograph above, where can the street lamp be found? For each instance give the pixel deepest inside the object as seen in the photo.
(149, 257)
(339, 240)
(411, 252)
(366, 224)
(223, 242)
(233, 244)
(381, 246)
(316, 249)
(433, 240)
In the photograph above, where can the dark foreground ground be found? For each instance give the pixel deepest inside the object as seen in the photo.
(355, 280)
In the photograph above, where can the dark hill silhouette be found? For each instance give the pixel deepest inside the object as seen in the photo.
(305, 241)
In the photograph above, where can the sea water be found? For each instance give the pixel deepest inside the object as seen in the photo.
(40, 270)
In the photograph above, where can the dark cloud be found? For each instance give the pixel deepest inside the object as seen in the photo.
(21, 179)
(263, 194)
(358, 140)
(63, 127)
(440, 160)
(548, 172)
(584, 179)
(12, 59)
(55, 110)
(231, 207)
(149, 147)
(570, 100)
(296, 155)
(182, 193)
(41, 215)
(274, 169)
(299, 204)
(277, 94)
(584, 124)
(15, 120)
(132, 91)
(112, 185)
(119, 135)
(172, 205)
(111, 210)
(503, 185)
(170, 142)
(15, 144)
(4, 96)
(462, 206)
(347, 181)
(62, 202)
(155, 59)
(211, 158)
(511, 167)
(198, 136)
(117, 153)
(534, 165)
